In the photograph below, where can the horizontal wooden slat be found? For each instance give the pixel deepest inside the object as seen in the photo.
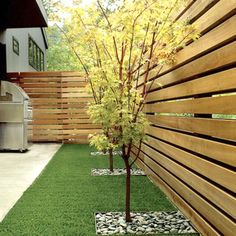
(60, 111)
(64, 121)
(81, 126)
(74, 84)
(40, 85)
(216, 14)
(73, 79)
(47, 128)
(45, 122)
(198, 9)
(176, 14)
(78, 105)
(212, 105)
(202, 146)
(54, 85)
(45, 96)
(41, 79)
(77, 121)
(60, 106)
(218, 82)
(75, 137)
(224, 129)
(48, 132)
(43, 101)
(70, 90)
(54, 80)
(77, 141)
(48, 74)
(72, 74)
(55, 137)
(38, 101)
(47, 106)
(42, 90)
(81, 131)
(34, 74)
(46, 138)
(76, 95)
(59, 116)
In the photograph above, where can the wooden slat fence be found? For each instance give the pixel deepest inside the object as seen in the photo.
(191, 147)
(59, 101)
(190, 152)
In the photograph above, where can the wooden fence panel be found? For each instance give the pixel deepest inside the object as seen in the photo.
(60, 102)
(190, 150)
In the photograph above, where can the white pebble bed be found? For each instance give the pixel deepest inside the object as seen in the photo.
(102, 172)
(115, 153)
(143, 223)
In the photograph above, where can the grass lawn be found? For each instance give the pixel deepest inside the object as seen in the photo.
(63, 200)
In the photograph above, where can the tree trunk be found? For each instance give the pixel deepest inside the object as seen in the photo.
(128, 185)
(111, 159)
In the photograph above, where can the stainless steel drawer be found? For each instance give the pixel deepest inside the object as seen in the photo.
(11, 112)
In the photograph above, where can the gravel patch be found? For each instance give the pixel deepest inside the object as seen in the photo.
(115, 153)
(142, 223)
(102, 172)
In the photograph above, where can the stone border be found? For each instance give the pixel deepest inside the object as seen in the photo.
(142, 223)
(115, 153)
(105, 172)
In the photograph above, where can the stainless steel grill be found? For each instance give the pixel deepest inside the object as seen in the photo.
(14, 116)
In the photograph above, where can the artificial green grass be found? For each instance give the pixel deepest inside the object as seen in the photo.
(63, 200)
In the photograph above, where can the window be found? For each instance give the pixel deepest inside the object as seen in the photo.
(41, 61)
(15, 46)
(36, 56)
(31, 52)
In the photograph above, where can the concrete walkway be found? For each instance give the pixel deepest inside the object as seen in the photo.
(19, 170)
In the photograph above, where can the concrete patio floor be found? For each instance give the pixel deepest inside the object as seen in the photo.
(19, 170)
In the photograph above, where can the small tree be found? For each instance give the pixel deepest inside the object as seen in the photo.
(116, 51)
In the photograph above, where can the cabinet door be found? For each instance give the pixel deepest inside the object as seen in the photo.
(12, 136)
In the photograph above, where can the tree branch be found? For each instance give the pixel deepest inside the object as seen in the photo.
(110, 27)
(137, 156)
(81, 61)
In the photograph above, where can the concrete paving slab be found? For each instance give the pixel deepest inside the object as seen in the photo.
(19, 170)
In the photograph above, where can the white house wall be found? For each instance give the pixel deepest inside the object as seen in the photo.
(20, 63)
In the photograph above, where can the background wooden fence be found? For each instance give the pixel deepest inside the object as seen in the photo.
(59, 101)
(191, 148)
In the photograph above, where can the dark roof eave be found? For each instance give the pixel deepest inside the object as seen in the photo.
(44, 14)
(22, 14)
(45, 38)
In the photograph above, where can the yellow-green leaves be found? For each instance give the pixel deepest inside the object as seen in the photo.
(118, 43)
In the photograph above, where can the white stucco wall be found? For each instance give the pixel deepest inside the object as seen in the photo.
(20, 63)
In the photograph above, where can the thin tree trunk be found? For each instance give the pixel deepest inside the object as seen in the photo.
(128, 185)
(111, 159)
